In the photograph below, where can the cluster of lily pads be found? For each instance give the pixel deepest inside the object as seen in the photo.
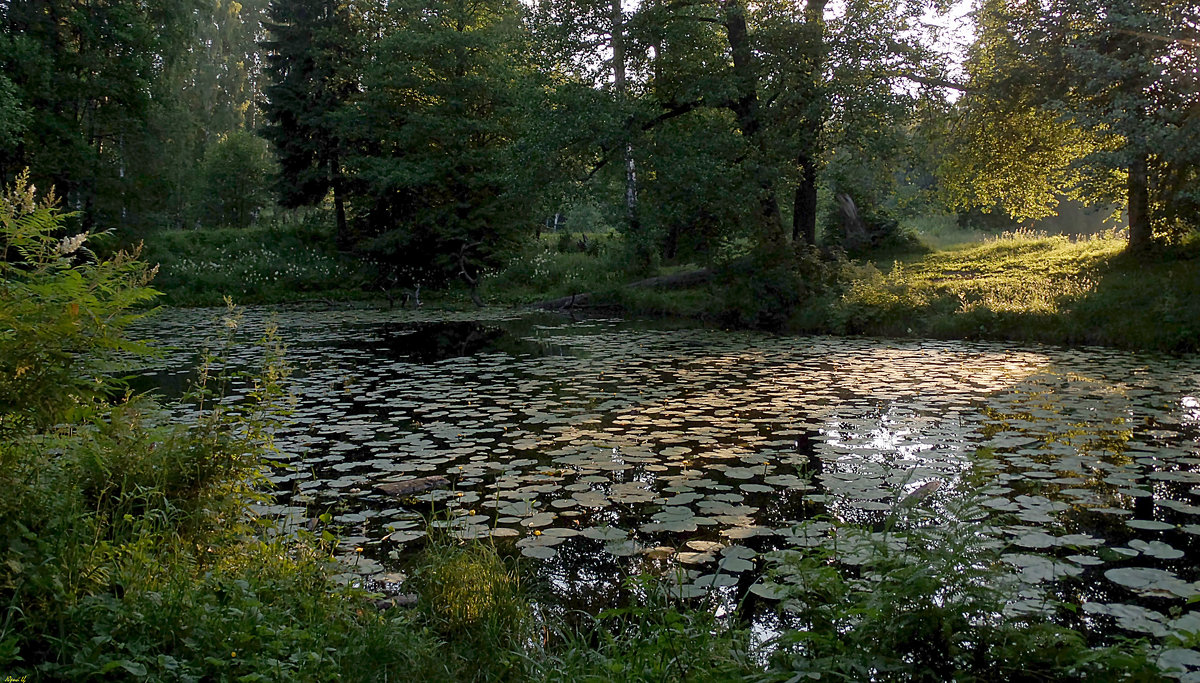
(604, 448)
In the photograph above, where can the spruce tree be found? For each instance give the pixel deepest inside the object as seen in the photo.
(310, 64)
(435, 132)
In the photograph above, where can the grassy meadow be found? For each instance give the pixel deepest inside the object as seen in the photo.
(1031, 287)
(957, 283)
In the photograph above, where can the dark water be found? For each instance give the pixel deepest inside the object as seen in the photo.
(604, 449)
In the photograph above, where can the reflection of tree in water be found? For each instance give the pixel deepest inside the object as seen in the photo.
(791, 428)
(1109, 457)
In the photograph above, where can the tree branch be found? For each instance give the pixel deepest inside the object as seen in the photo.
(674, 111)
(1162, 39)
(936, 82)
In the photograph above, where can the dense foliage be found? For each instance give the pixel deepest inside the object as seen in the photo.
(1095, 98)
(440, 137)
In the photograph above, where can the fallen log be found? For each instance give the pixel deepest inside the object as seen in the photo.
(688, 278)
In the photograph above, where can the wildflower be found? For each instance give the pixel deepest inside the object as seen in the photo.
(70, 245)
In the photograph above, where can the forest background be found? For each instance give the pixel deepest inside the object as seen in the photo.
(811, 166)
(518, 152)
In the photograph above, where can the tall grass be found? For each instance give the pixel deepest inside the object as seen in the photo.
(278, 261)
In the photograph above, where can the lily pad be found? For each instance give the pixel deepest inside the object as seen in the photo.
(1131, 617)
(1156, 549)
(1154, 582)
(770, 590)
(539, 552)
(1148, 525)
(1178, 660)
(705, 546)
(604, 533)
(716, 580)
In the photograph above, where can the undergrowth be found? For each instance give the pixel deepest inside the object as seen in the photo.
(129, 550)
(273, 262)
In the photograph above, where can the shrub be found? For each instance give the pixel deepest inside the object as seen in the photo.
(765, 290)
(128, 548)
(62, 312)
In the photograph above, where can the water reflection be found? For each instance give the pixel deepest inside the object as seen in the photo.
(590, 446)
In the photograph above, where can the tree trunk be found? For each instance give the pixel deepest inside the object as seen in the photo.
(804, 209)
(618, 63)
(1140, 231)
(746, 109)
(804, 214)
(472, 282)
(342, 238)
(856, 232)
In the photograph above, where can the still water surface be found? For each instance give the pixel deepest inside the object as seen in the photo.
(601, 449)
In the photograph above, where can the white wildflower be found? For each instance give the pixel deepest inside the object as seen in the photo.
(70, 245)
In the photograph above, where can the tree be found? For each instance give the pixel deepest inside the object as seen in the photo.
(312, 62)
(1095, 98)
(91, 72)
(792, 82)
(234, 183)
(14, 118)
(225, 75)
(435, 130)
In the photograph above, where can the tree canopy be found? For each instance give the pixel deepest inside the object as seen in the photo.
(439, 133)
(1094, 99)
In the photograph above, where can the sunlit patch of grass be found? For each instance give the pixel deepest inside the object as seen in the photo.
(1032, 287)
(944, 232)
(474, 601)
(1017, 272)
(464, 586)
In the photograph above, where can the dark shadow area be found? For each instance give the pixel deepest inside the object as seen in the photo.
(433, 342)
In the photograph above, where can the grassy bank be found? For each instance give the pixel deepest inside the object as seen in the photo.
(1019, 287)
(1031, 288)
(1022, 287)
(271, 263)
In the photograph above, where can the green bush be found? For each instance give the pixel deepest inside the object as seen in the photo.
(128, 548)
(235, 180)
(62, 313)
(766, 290)
(558, 266)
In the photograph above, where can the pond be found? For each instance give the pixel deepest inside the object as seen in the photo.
(601, 449)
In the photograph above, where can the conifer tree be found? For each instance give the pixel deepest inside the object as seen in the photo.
(311, 65)
(435, 133)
